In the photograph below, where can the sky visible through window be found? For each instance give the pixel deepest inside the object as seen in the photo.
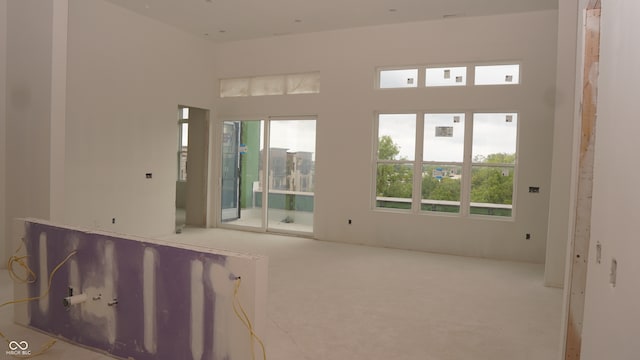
(492, 133)
(294, 135)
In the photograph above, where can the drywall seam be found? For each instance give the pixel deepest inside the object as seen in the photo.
(197, 309)
(149, 300)
(43, 303)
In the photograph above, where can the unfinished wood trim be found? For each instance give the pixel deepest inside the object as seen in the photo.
(582, 229)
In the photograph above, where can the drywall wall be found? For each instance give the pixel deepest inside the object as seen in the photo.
(4, 245)
(562, 202)
(58, 109)
(346, 105)
(28, 108)
(127, 296)
(197, 168)
(611, 317)
(127, 74)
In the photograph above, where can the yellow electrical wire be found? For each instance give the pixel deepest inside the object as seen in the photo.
(244, 318)
(29, 279)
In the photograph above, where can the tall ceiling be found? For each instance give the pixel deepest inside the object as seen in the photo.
(230, 20)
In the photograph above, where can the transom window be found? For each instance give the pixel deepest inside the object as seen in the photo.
(285, 84)
(443, 76)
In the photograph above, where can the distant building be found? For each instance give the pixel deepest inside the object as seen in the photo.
(291, 171)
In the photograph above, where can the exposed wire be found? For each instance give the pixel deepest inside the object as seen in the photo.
(29, 279)
(244, 318)
(30, 276)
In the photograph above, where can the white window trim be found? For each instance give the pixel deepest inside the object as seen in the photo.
(467, 165)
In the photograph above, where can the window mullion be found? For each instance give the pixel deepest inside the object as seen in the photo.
(465, 196)
(416, 204)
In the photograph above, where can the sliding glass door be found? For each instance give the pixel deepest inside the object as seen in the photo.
(277, 197)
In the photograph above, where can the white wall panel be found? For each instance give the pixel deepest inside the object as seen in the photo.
(347, 62)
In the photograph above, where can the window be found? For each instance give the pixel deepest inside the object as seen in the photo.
(400, 78)
(395, 160)
(443, 155)
(308, 83)
(498, 75)
(451, 76)
(234, 87)
(433, 162)
(267, 85)
(305, 83)
(183, 142)
(493, 163)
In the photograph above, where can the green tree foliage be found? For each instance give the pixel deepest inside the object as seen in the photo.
(447, 188)
(387, 149)
(393, 180)
(493, 185)
(498, 158)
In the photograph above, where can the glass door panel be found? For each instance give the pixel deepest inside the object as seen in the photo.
(241, 191)
(292, 146)
(230, 171)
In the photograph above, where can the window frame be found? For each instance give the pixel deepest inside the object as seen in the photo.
(419, 76)
(467, 166)
(474, 68)
(470, 74)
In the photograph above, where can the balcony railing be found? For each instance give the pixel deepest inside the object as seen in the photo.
(477, 208)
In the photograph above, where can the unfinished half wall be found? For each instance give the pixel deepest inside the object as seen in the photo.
(348, 102)
(140, 299)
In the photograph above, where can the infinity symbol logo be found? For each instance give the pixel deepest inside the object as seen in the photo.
(22, 345)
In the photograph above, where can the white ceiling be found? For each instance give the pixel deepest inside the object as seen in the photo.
(229, 20)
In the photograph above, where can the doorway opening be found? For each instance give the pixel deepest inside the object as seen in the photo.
(192, 168)
(269, 190)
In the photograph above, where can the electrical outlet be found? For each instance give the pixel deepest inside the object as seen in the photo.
(527, 236)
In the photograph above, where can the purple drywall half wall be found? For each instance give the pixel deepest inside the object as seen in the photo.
(131, 298)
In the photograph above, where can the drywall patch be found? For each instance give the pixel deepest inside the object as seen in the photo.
(222, 291)
(197, 309)
(149, 299)
(43, 304)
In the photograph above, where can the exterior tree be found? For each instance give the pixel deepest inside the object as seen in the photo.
(387, 149)
(393, 180)
(490, 184)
